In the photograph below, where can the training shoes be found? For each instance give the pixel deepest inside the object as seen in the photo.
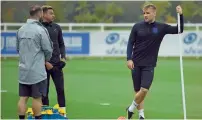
(141, 118)
(129, 114)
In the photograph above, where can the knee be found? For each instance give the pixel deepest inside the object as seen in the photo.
(22, 103)
(137, 90)
(144, 90)
(23, 100)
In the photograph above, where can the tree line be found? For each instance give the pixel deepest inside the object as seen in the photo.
(103, 11)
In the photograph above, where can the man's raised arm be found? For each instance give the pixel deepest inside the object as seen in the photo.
(174, 29)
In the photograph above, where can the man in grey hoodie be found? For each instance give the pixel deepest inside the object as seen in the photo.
(35, 48)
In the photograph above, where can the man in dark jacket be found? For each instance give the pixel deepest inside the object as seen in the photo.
(142, 52)
(57, 61)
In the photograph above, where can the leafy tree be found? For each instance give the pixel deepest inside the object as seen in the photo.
(99, 13)
(9, 15)
(112, 11)
(84, 12)
(170, 19)
(191, 9)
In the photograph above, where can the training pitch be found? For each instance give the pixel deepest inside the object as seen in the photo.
(102, 89)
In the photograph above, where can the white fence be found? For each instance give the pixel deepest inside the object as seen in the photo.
(96, 42)
(101, 25)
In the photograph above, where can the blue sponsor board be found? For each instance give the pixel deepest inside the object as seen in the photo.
(8, 43)
(75, 43)
(193, 44)
(117, 42)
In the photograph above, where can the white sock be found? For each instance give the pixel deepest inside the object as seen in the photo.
(133, 106)
(141, 113)
(64, 108)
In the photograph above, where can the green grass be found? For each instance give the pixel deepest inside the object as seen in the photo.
(89, 82)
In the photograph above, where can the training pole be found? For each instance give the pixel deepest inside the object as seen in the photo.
(181, 67)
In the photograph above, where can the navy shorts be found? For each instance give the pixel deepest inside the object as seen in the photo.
(35, 90)
(142, 77)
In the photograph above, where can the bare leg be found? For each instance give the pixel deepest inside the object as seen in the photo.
(22, 107)
(141, 105)
(139, 97)
(36, 107)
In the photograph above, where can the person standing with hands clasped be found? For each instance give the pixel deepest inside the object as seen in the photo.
(57, 62)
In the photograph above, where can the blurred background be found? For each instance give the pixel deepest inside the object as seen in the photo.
(98, 84)
(102, 11)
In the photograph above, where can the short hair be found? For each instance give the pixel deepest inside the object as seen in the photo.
(149, 6)
(45, 8)
(34, 10)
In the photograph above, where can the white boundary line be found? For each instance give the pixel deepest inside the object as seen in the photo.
(3, 91)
